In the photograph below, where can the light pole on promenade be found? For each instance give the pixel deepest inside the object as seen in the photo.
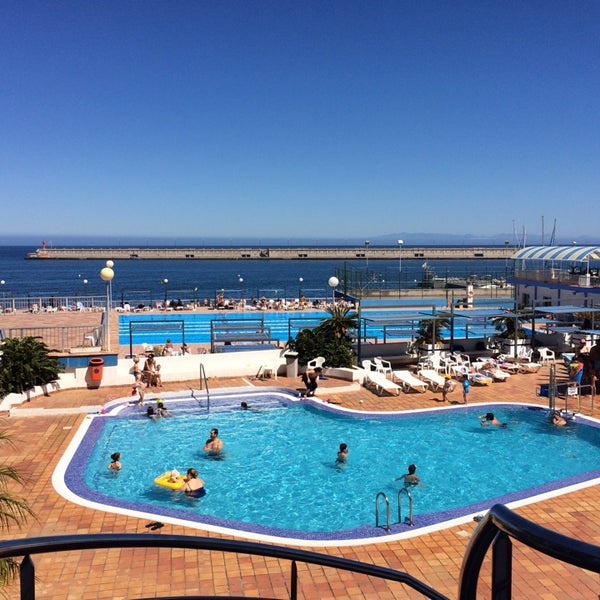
(333, 283)
(107, 274)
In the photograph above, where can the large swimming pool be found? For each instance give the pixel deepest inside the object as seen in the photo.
(282, 325)
(278, 477)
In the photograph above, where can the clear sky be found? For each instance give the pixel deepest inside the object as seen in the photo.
(306, 120)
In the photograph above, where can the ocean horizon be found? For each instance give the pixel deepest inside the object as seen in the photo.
(246, 278)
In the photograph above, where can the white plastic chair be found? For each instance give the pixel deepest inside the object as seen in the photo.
(316, 362)
(547, 356)
(383, 366)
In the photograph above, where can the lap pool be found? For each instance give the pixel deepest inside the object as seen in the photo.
(278, 480)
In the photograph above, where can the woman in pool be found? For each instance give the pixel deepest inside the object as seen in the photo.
(194, 485)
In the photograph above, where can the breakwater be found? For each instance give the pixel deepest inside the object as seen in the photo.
(277, 253)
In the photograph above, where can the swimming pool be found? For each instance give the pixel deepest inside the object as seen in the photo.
(282, 324)
(278, 478)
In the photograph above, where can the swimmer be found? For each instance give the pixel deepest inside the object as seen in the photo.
(194, 485)
(245, 406)
(151, 413)
(342, 454)
(557, 419)
(489, 419)
(115, 464)
(161, 409)
(213, 444)
(410, 478)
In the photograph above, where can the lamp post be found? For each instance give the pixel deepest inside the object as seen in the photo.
(107, 274)
(164, 282)
(367, 254)
(300, 281)
(400, 243)
(333, 283)
(241, 280)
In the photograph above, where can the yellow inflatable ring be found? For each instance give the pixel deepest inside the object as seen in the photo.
(165, 480)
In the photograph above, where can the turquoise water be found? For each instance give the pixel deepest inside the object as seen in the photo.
(278, 470)
(282, 324)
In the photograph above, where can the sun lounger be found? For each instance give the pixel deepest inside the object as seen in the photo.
(409, 381)
(480, 379)
(495, 373)
(529, 367)
(433, 378)
(380, 383)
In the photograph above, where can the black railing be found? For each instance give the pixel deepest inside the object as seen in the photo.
(495, 530)
(68, 543)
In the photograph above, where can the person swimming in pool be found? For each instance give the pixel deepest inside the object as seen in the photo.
(489, 419)
(410, 478)
(194, 485)
(557, 419)
(115, 462)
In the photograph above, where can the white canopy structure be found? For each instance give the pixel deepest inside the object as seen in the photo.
(562, 253)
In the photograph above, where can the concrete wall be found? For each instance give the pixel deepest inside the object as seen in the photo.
(173, 368)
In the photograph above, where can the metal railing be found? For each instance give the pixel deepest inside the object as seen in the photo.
(68, 543)
(496, 530)
(60, 338)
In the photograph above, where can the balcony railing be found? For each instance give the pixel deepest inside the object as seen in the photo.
(69, 543)
(557, 276)
(496, 530)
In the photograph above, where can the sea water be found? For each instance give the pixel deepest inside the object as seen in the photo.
(199, 279)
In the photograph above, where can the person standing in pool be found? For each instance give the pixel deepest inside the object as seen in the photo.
(213, 445)
(115, 462)
(342, 454)
(194, 485)
(465, 386)
(410, 478)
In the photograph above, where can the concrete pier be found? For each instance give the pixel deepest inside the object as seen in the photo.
(277, 253)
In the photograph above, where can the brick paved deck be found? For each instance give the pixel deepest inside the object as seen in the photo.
(434, 558)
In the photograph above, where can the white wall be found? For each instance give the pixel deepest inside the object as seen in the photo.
(173, 368)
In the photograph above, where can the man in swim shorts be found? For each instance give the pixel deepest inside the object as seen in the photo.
(213, 444)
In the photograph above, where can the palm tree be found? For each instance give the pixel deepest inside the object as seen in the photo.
(13, 511)
(509, 326)
(25, 364)
(331, 339)
(340, 323)
(430, 328)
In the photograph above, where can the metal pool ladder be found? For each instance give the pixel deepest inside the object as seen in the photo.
(203, 385)
(382, 495)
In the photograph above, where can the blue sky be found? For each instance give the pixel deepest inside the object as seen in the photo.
(306, 121)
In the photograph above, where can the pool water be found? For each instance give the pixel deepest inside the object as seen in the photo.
(278, 473)
(283, 325)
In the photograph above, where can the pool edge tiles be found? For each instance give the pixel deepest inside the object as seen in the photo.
(68, 482)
